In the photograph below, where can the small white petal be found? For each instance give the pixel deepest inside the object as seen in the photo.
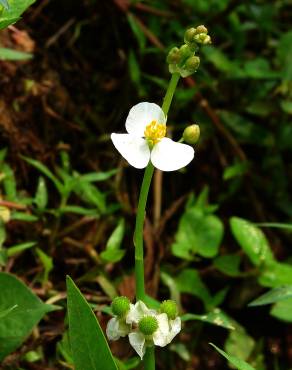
(137, 341)
(141, 115)
(175, 328)
(112, 329)
(136, 312)
(134, 149)
(167, 155)
(160, 337)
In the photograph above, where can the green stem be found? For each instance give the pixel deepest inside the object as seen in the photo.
(169, 93)
(149, 358)
(138, 236)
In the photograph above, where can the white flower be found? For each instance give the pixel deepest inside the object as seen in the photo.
(117, 328)
(145, 140)
(163, 335)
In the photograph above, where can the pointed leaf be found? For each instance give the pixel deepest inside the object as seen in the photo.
(272, 296)
(90, 349)
(17, 325)
(237, 362)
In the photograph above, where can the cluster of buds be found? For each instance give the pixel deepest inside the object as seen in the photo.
(144, 326)
(183, 60)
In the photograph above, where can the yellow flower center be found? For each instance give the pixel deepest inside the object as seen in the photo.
(154, 132)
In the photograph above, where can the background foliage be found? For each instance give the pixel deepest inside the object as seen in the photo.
(217, 234)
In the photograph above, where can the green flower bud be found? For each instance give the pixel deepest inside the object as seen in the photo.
(170, 308)
(173, 56)
(192, 64)
(191, 134)
(120, 306)
(202, 38)
(189, 35)
(148, 325)
(201, 29)
(185, 51)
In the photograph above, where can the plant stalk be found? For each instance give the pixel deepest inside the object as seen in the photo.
(149, 358)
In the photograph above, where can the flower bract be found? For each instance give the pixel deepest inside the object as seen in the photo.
(145, 140)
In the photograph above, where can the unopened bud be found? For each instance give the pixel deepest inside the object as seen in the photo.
(148, 325)
(202, 38)
(120, 306)
(189, 35)
(173, 56)
(191, 134)
(201, 29)
(192, 64)
(185, 51)
(170, 308)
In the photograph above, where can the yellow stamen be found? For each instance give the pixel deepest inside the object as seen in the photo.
(154, 132)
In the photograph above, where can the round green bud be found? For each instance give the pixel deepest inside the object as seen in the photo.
(173, 56)
(192, 64)
(148, 325)
(189, 35)
(120, 306)
(185, 51)
(202, 38)
(191, 134)
(201, 29)
(170, 308)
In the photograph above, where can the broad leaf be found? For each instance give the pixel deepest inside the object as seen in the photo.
(237, 362)
(112, 252)
(16, 326)
(275, 274)
(252, 240)
(283, 310)
(89, 347)
(198, 233)
(12, 13)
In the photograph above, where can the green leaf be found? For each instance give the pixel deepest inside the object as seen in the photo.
(18, 324)
(97, 176)
(237, 362)
(198, 233)
(228, 264)
(45, 171)
(90, 350)
(136, 29)
(6, 312)
(10, 54)
(47, 262)
(21, 216)
(283, 310)
(12, 13)
(252, 240)
(18, 248)
(4, 3)
(215, 317)
(79, 210)
(189, 281)
(41, 196)
(112, 252)
(275, 274)
(236, 170)
(272, 296)
(284, 53)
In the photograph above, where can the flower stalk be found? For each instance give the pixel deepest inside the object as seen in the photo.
(149, 359)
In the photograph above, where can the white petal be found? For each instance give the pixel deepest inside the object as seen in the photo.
(136, 312)
(134, 149)
(137, 341)
(175, 328)
(141, 115)
(168, 155)
(112, 331)
(160, 337)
